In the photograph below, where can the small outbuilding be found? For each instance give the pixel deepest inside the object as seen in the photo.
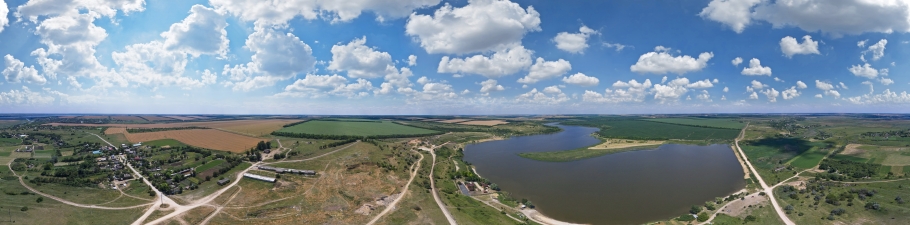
(223, 181)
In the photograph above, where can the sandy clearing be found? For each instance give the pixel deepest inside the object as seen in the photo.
(738, 207)
(485, 122)
(623, 143)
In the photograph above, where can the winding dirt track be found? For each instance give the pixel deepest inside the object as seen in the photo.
(442, 206)
(404, 191)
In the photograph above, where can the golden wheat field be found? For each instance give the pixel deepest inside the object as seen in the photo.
(204, 138)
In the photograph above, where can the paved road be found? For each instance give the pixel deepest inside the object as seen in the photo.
(404, 192)
(445, 211)
(768, 190)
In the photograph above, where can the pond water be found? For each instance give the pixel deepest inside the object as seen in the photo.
(623, 188)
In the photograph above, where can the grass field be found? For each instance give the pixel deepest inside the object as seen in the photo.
(885, 155)
(9, 123)
(627, 128)
(350, 128)
(583, 153)
(810, 158)
(9, 141)
(164, 142)
(719, 123)
(209, 165)
(769, 154)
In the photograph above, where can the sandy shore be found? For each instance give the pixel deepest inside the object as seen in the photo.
(623, 143)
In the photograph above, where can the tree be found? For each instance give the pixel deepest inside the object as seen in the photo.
(24, 208)
(702, 217)
(751, 218)
(695, 209)
(39, 200)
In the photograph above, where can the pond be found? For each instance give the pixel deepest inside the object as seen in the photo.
(623, 188)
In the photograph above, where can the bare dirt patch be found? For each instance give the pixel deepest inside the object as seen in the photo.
(624, 143)
(485, 122)
(739, 207)
(853, 149)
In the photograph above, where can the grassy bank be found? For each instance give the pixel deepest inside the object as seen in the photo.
(580, 153)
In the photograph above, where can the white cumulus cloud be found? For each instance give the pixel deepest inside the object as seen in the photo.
(480, 26)
(660, 61)
(202, 32)
(736, 61)
(543, 70)
(581, 79)
(733, 13)
(360, 61)
(490, 86)
(791, 47)
(501, 63)
(575, 42)
(756, 69)
(16, 72)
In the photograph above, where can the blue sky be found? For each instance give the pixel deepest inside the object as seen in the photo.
(454, 57)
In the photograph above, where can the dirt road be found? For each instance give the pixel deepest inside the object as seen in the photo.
(404, 191)
(768, 190)
(445, 211)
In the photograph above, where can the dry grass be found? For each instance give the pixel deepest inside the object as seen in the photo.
(205, 138)
(485, 122)
(156, 118)
(454, 121)
(246, 127)
(853, 149)
(115, 130)
(127, 118)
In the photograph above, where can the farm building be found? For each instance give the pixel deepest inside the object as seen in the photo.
(223, 181)
(283, 170)
(259, 177)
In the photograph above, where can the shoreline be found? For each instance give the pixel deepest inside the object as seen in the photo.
(531, 214)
